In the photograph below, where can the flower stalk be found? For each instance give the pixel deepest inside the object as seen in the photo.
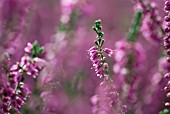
(96, 53)
(16, 92)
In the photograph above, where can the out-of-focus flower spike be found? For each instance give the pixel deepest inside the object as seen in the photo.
(166, 45)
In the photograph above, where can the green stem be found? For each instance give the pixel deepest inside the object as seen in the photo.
(134, 29)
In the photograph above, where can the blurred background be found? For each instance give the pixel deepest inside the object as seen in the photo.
(64, 27)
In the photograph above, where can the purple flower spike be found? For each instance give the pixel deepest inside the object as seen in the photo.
(107, 97)
(96, 53)
(166, 45)
(15, 94)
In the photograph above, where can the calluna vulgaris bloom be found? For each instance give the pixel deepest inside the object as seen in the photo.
(97, 54)
(15, 92)
(166, 44)
(107, 96)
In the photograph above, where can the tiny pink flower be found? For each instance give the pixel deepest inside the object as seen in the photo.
(28, 48)
(108, 51)
(92, 48)
(25, 60)
(14, 67)
(39, 63)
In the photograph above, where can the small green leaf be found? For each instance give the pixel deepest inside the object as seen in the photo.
(94, 28)
(99, 28)
(36, 50)
(96, 42)
(102, 42)
(40, 50)
(98, 22)
(101, 34)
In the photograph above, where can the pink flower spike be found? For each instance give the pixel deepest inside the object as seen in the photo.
(28, 48)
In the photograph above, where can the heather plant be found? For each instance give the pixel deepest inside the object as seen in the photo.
(107, 96)
(166, 46)
(128, 71)
(14, 92)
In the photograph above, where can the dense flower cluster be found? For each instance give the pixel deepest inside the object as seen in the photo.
(167, 29)
(101, 68)
(164, 67)
(15, 92)
(166, 44)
